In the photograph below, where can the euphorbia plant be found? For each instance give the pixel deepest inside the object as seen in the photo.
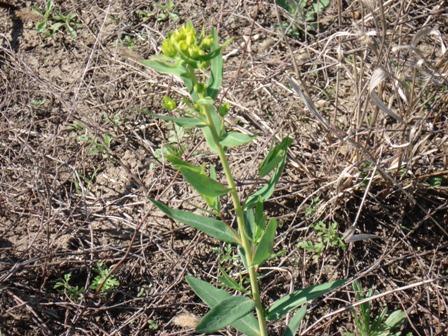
(197, 60)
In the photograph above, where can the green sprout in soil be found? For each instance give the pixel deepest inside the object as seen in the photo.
(302, 10)
(329, 237)
(380, 325)
(64, 286)
(197, 60)
(103, 273)
(50, 22)
(165, 12)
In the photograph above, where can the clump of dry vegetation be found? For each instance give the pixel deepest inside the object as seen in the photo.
(360, 87)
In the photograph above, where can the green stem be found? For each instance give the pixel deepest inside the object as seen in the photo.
(241, 226)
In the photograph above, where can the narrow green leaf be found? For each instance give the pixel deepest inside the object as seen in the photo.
(395, 319)
(233, 139)
(166, 68)
(249, 221)
(243, 257)
(183, 122)
(267, 190)
(56, 26)
(178, 164)
(204, 184)
(224, 313)
(275, 156)
(275, 159)
(295, 322)
(299, 297)
(213, 202)
(230, 283)
(216, 124)
(264, 248)
(210, 226)
(248, 325)
(216, 65)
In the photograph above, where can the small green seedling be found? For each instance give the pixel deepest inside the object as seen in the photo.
(175, 145)
(130, 41)
(164, 13)
(102, 272)
(73, 292)
(153, 325)
(303, 10)
(435, 182)
(381, 325)
(38, 103)
(84, 183)
(96, 146)
(329, 237)
(51, 22)
(313, 207)
(197, 60)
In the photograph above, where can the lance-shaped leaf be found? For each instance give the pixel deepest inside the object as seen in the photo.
(210, 226)
(216, 65)
(179, 163)
(213, 202)
(229, 282)
(294, 324)
(275, 156)
(182, 121)
(158, 64)
(299, 297)
(204, 185)
(224, 313)
(395, 319)
(266, 191)
(248, 325)
(165, 65)
(264, 248)
(233, 139)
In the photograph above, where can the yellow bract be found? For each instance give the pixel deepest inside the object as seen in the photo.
(183, 42)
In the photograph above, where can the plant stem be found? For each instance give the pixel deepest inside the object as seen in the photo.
(241, 226)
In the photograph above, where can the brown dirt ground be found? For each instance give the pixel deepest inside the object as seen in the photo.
(69, 199)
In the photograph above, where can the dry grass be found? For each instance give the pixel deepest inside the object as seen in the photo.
(370, 128)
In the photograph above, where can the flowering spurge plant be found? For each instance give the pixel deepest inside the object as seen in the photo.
(197, 61)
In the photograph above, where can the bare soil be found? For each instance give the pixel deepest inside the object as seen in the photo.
(79, 161)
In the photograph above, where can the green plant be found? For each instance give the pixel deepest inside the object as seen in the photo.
(330, 237)
(73, 292)
(83, 183)
(130, 41)
(435, 182)
(197, 60)
(176, 143)
(313, 207)
(380, 325)
(165, 13)
(102, 272)
(51, 22)
(97, 147)
(153, 325)
(304, 10)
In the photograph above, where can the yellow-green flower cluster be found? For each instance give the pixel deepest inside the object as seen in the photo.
(184, 43)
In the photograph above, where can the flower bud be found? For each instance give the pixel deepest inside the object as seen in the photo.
(224, 108)
(169, 103)
(207, 42)
(195, 52)
(168, 48)
(183, 45)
